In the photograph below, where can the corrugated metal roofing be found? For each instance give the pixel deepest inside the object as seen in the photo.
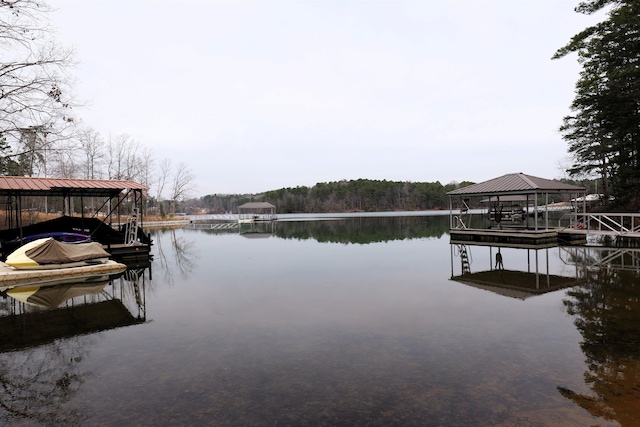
(256, 205)
(509, 198)
(516, 183)
(66, 186)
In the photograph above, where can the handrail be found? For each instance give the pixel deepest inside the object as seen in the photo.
(617, 223)
(601, 222)
(132, 228)
(460, 222)
(616, 258)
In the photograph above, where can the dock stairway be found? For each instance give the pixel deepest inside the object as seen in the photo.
(132, 228)
(464, 259)
(615, 224)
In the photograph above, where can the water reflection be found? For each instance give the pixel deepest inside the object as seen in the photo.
(365, 230)
(54, 296)
(178, 259)
(38, 383)
(607, 314)
(46, 333)
(359, 230)
(604, 299)
(307, 327)
(528, 271)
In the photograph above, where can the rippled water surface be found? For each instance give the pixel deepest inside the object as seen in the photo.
(359, 321)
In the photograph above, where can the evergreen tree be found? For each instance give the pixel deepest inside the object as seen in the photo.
(603, 131)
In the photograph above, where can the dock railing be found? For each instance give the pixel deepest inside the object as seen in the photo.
(619, 224)
(459, 222)
(594, 257)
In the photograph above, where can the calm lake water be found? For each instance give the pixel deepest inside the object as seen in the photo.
(359, 321)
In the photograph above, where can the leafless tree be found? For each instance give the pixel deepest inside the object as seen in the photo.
(64, 163)
(93, 148)
(182, 184)
(147, 163)
(165, 171)
(123, 161)
(163, 176)
(133, 161)
(35, 89)
(115, 156)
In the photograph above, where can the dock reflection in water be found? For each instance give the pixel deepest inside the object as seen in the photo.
(351, 321)
(603, 299)
(46, 332)
(519, 272)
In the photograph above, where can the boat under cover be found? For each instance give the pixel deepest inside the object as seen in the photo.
(11, 277)
(49, 253)
(61, 236)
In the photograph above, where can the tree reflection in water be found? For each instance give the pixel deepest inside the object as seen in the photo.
(365, 230)
(607, 314)
(38, 384)
(357, 230)
(183, 256)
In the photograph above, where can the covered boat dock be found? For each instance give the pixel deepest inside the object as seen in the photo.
(256, 211)
(517, 211)
(108, 211)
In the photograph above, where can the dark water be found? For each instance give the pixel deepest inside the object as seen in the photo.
(375, 321)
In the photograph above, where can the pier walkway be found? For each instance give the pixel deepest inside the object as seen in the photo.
(572, 228)
(614, 224)
(623, 258)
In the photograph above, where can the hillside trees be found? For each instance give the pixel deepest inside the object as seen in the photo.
(603, 130)
(223, 203)
(343, 196)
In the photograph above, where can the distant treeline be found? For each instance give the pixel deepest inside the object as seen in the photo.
(362, 195)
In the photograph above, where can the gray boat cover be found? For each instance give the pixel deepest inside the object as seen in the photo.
(52, 251)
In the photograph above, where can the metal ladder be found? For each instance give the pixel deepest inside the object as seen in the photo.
(132, 228)
(465, 259)
(465, 211)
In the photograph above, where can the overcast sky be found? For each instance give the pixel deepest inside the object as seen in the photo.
(261, 95)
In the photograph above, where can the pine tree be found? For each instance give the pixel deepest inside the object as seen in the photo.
(603, 131)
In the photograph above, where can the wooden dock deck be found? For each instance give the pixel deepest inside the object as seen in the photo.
(518, 237)
(128, 253)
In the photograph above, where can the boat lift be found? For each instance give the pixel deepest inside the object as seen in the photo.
(106, 224)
